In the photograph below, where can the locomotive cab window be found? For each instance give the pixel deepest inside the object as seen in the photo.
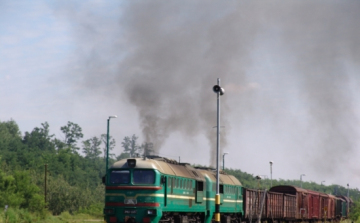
(143, 177)
(120, 177)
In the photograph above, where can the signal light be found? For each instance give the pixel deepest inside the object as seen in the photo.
(218, 89)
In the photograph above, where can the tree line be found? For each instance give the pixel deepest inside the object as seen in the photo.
(74, 167)
(73, 180)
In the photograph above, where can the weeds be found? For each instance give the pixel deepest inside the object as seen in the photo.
(23, 216)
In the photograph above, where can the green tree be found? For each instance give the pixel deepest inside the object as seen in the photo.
(39, 138)
(11, 145)
(59, 144)
(9, 128)
(91, 148)
(18, 191)
(112, 144)
(355, 211)
(38, 148)
(123, 156)
(73, 132)
(130, 145)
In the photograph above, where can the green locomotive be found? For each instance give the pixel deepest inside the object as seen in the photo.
(157, 189)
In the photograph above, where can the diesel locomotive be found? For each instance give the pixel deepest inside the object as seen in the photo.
(157, 189)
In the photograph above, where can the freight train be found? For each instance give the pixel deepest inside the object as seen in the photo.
(157, 189)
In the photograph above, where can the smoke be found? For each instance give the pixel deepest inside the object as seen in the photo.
(166, 56)
(174, 62)
(324, 39)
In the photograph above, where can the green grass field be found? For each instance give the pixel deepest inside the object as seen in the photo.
(22, 216)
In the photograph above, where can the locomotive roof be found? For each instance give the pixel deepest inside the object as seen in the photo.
(163, 165)
(223, 177)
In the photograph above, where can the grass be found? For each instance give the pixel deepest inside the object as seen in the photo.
(23, 216)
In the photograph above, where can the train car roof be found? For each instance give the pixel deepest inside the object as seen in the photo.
(288, 189)
(163, 165)
(293, 190)
(347, 199)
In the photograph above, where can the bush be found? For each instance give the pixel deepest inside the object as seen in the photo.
(63, 197)
(17, 191)
(13, 215)
(355, 211)
(95, 210)
(10, 216)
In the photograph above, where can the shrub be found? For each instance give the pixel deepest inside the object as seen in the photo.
(10, 216)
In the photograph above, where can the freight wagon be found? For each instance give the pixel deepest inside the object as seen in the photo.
(314, 206)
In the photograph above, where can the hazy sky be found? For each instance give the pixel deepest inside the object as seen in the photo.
(290, 70)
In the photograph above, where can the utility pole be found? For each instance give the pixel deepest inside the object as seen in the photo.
(219, 91)
(107, 142)
(271, 163)
(224, 160)
(301, 179)
(45, 188)
(348, 203)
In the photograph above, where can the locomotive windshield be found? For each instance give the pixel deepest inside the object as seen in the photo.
(120, 177)
(144, 177)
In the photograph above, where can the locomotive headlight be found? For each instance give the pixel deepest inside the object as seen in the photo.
(151, 212)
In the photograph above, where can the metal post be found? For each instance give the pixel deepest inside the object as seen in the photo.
(45, 189)
(301, 179)
(219, 91)
(348, 203)
(107, 142)
(224, 160)
(271, 163)
(217, 197)
(107, 145)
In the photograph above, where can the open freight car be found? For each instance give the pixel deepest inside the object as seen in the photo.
(310, 205)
